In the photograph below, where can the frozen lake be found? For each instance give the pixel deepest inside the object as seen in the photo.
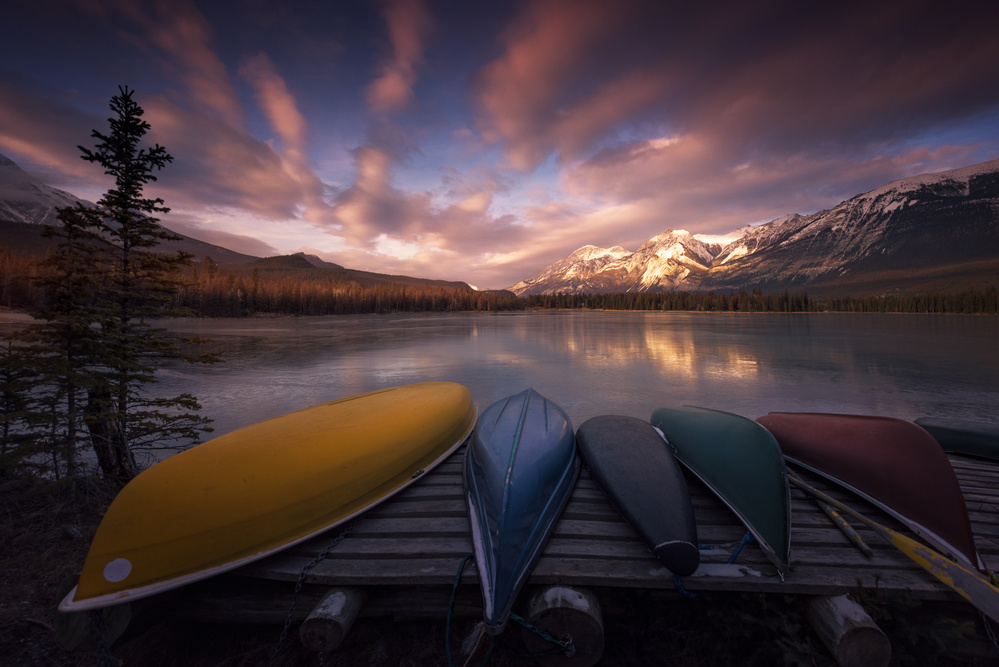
(593, 363)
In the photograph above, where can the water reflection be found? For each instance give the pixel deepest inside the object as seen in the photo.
(595, 363)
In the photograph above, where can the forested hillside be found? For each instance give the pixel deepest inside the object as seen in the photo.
(210, 290)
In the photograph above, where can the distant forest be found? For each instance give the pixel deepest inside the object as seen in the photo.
(210, 290)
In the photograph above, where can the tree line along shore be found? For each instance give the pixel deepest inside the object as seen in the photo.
(206, 289)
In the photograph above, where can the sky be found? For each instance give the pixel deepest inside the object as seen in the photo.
(482, 141)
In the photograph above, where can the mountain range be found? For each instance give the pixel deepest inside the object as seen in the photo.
(933, 232)
(925, 233)
(26, 203)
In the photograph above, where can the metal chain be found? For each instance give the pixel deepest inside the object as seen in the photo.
(298, 587)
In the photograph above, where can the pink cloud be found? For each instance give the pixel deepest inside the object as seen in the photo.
(40, 132)
(282, 111)
(409, 23)
(534, 97)
(219, 166)
(182, 34)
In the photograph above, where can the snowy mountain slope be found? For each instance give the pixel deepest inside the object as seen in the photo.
(928, 220)
(26, 199)
(576, 272)
(26, 203)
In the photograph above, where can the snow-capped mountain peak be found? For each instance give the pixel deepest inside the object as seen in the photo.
(946, 219)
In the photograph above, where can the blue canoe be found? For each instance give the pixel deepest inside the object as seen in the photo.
(520, 467)
(742, 464)
(630, 460)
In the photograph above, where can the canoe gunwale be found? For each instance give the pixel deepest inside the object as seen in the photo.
(68, 604)
(764, 545)
(663, 517)
(782, 566)
(492, 514)
(568, 482)
(918, 528)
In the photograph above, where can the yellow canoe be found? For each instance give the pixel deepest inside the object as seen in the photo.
(265, 487)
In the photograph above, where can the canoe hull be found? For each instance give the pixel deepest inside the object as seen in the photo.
(741, 463)
(892, 463)
(636, 468)
(520, 467)
(255, 491)
(960, 437)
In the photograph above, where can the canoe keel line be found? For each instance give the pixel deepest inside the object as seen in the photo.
(637, 470)
(892, 463)
(519, 469)
(741, 463)
(261, 489)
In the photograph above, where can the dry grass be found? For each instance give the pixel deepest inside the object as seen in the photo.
(39, 548)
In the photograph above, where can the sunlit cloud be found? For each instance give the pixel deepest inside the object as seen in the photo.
(522, 93)
(184, 37)
(408, 24)
(484, 143)
(282, 111)
(44, 133)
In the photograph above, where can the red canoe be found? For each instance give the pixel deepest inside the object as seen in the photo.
(893, 463)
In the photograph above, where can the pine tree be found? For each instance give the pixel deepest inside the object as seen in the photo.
(103, 286)
(139, 286)
(64, 349)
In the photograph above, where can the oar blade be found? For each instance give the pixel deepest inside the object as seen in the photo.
(973, 586)
(970, 584)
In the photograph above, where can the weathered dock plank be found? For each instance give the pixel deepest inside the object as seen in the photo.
(407, 551)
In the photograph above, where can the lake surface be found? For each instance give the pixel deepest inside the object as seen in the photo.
(593, 363)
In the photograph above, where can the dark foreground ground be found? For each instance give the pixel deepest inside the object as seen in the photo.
(45, 532)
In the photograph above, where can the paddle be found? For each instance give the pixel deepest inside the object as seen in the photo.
(845, 527)
(970, 584)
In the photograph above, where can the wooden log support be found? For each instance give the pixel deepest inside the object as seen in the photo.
(848, 632)
(325, 627)
(565, 612)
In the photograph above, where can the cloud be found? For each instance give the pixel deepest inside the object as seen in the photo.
(44, 132)
(409, 23)
(282, 111)
(193, 226)
(218, 166)
(525, 94)
(771, 78)
(182, 34)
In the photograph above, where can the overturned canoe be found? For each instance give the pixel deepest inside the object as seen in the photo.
(636, 468)
(250, 493)
(963, 437)
(741, 463)
(520, 467)
(890, 462)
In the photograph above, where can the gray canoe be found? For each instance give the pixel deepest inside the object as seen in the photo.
(636, 468)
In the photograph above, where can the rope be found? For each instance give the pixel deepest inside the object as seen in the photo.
(561, 646)
(298, 587)
(746, 539)
(99, 630)
(450, 613)
(680, 589)
(988, 630)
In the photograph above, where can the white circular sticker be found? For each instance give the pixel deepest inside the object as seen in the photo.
(117, 570)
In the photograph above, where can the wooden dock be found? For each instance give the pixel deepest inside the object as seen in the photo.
(406, 552)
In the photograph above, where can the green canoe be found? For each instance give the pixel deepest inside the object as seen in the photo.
(742, 464)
